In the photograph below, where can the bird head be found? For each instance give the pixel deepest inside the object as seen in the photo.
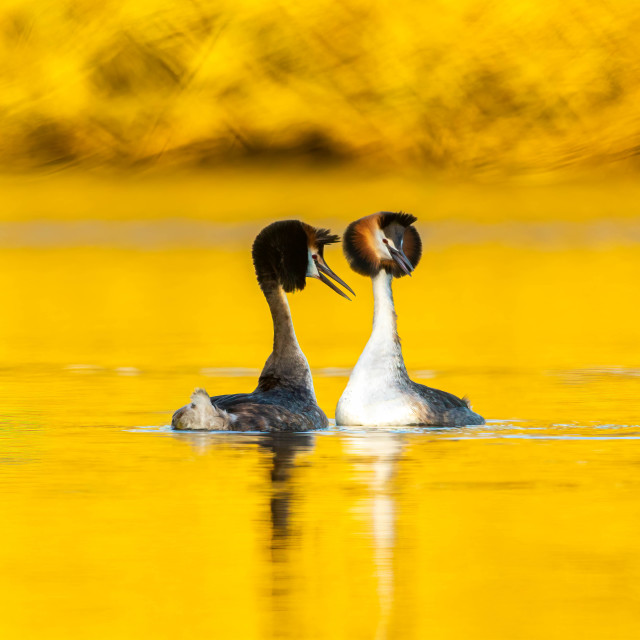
(288, 252)
(383, 240)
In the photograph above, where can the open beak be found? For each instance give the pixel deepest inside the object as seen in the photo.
(401, 260)
(324, 271)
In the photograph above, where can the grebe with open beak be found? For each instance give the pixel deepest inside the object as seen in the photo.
(285, 254)
(384, 246)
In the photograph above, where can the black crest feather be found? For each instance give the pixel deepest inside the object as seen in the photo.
(324, 237)
(388, 217)
(280, 255)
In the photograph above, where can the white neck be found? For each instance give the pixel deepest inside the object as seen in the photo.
(286, 362)
(382, 358)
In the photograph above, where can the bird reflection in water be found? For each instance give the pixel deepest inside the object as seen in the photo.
(377, 458)
(284, 447)
(373, 458)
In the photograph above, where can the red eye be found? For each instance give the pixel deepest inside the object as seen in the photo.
(385, 241)
(314, 256)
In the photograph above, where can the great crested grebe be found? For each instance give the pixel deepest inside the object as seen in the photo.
(379, 392)
(284, 254)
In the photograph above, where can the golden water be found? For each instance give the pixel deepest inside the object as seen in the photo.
(115, 527)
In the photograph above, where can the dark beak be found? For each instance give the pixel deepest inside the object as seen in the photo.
(324, 271)
(401, 260)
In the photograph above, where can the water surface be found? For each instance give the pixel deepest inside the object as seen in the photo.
(116, 527)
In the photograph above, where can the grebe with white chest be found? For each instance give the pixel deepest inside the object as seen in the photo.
(285, 254)
(384, 246)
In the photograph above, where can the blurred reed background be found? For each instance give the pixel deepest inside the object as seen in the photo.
(467, 87)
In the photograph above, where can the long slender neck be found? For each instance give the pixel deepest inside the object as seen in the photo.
(284, 335)
(286, 363)
(385, 326)
(382, 358)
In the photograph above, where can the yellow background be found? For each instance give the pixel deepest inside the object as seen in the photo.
(144, 144)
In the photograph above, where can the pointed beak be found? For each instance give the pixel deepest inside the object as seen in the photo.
(324, 271)
(401, 260)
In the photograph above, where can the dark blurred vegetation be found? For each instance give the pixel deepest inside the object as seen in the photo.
(463, 86)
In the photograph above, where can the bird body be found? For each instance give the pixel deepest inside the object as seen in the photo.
(379, 391)
(284, 255)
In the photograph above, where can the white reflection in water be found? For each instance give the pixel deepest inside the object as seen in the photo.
(377, 456)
